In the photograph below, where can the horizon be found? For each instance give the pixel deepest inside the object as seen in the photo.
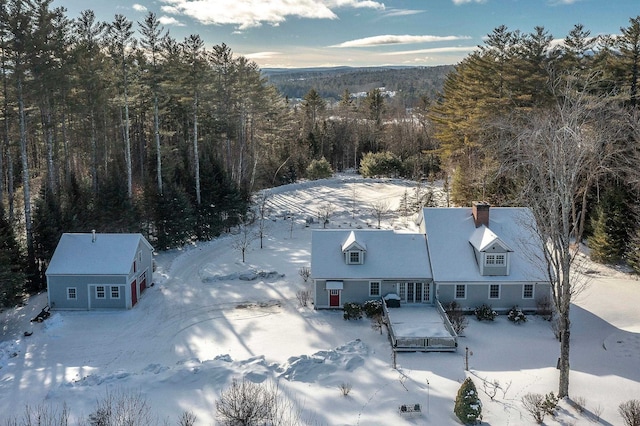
(361, 33)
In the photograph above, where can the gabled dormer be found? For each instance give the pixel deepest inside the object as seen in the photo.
(492, 254)
(353, 250)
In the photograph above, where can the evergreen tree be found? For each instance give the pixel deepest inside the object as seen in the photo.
(47, 226)
(12, 264)
(468, 407)
(633, 251)
(173, 217)
(610, 227)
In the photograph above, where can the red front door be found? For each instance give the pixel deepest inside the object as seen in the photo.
(134, 293)
(334, 297)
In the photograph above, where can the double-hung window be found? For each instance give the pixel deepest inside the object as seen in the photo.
(494, 291)
(374, 288)
(72, 293)
(100, 292)
(527, 291)
(461, 291)
(115, 292)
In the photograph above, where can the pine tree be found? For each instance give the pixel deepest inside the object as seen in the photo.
(12, 264)
(633, 252)
(468, 407)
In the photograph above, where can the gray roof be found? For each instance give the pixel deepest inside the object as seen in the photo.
(109, 254)
(451, 232)
(389, 255)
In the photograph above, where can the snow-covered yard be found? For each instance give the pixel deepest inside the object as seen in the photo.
(210, 318)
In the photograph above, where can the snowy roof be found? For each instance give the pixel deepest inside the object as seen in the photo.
(352, 241)
(451, 231)
(483, 238)
(389, 255)
(109, 254)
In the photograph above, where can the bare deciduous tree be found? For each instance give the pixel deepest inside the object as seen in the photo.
(379, 209)
(246, 235)
(556, 154)
(261, 202)
(248, 403)
(325, 213)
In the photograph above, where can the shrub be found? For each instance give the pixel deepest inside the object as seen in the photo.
(468, 407)
(372, 308)
(550, 404)
(303, 297)
(533, 404)
(352, 311)
(485, 313)
(319, 169)
(630, 412)
(345, 388)
(516, 315)
(456, 316)
(305, 273)
(380, 164)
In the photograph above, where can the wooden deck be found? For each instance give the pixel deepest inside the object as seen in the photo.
(420, 327)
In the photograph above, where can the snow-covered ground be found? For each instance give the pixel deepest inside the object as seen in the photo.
(210, 318)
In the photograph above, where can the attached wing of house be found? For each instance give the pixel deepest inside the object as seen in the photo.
(360, 265)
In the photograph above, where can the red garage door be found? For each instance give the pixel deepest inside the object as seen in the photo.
(143, 281)
(134, 293)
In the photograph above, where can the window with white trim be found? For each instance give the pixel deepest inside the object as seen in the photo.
(461, 291)
(354, 257)
(374, 288)
(500, 259)
(494, 291)
(72, 293)
(100, 292)
(527, 291)
(115, 292)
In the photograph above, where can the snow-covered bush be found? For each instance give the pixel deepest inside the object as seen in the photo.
(372, 308)
(468, 407)
(352, 311)
(485, 313)
(516, 315)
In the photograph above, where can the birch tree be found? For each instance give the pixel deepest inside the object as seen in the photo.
(557, 154)
(120, 37)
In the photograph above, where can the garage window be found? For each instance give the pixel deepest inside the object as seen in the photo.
(72, 293)
(100, 292)
(115, 292)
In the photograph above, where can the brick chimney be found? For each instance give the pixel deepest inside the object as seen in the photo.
(480, 212)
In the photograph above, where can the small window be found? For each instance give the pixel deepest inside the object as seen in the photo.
(135, 266)
(115, 292)
(100, 292)
(72, 293)
(494, 291)
(354, 257)
(527, 291)
(500, 259)
(374, 288)
(461, 291)
(334, 292)
(490, 259)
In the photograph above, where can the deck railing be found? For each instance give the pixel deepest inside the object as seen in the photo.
(425, 343)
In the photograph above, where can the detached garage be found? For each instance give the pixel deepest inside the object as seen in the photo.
(99, 271)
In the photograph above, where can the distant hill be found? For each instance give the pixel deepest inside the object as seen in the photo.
(330, 83)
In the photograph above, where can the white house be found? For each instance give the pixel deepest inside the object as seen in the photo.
(99, 271)
(472, 256)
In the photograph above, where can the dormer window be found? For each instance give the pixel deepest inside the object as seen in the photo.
(354, 257)
(353, 250)
(495, 259)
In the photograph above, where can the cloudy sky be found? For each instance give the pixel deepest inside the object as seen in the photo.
(312, 33)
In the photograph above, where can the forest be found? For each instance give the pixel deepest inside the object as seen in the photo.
(118, 127)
